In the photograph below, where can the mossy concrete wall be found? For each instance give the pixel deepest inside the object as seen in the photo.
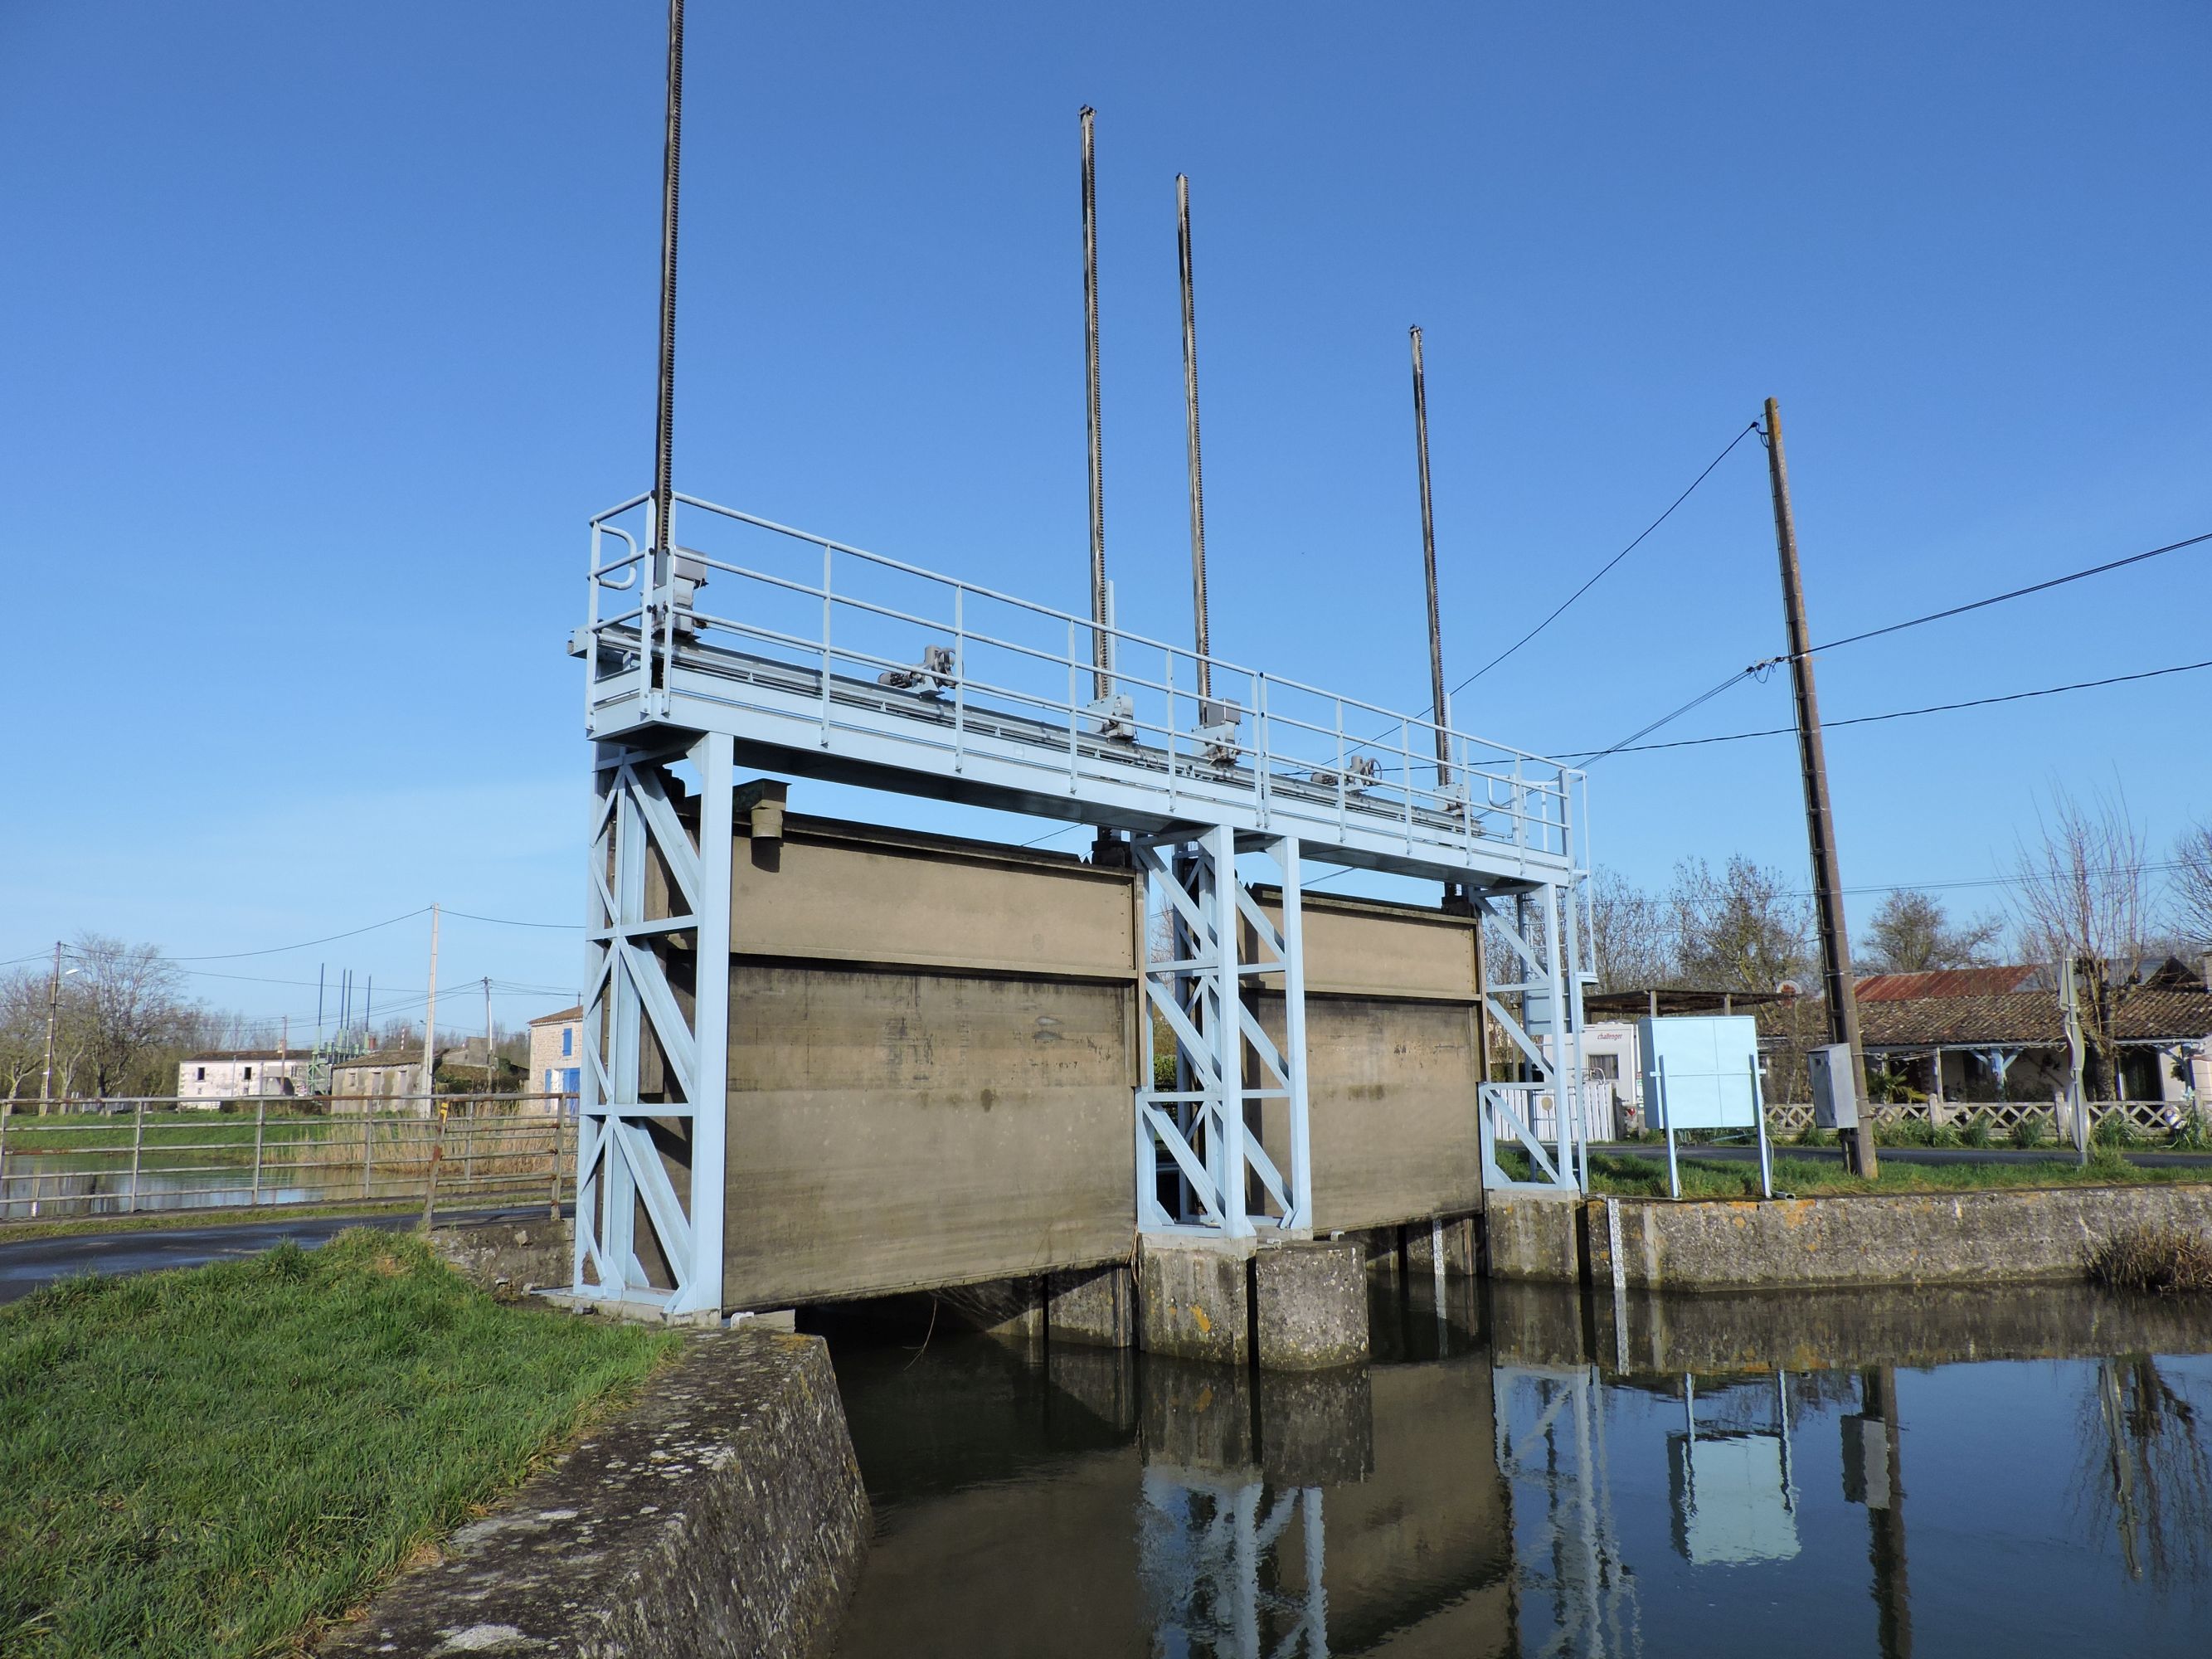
(721, 1514)
(1532, 1236)
(1643, 1332)
(2010, 1235)
(509, 1258)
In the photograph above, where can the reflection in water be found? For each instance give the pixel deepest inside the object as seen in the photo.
(2148, 1477)
(1552, 1442)
(1733, 1499)
(1213, 1554)
(1494, 1486)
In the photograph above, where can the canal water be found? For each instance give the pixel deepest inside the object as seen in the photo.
(1516, 1473)
(38, 1188)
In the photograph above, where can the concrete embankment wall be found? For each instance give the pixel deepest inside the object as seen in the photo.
(723, 1514)
(1643, 1333)
(2012, 1235)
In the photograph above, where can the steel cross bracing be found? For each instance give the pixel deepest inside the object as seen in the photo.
(649, 1142)
(1543, 1115)
(826, 661)
(1203, 1159)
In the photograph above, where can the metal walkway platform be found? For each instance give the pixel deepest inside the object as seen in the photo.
(816, 658)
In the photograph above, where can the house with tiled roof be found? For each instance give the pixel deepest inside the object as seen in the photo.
(1995, 1034)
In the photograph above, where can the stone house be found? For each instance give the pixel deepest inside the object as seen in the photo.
(208, 1079)
(557, 1056)
(381, 1080)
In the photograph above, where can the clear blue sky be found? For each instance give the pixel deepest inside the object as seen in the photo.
(327, 327)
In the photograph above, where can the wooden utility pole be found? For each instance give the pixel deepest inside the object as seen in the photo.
(430, 1085)
(1820, 822)
(430, 1021)
(53, 1003)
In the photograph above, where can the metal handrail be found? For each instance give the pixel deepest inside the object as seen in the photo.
(1120, 635)
(494, 1144)
(1274, 748)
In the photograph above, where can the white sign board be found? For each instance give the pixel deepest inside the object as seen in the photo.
(1700, 1072)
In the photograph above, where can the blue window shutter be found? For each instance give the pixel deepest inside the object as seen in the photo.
(568, 1037)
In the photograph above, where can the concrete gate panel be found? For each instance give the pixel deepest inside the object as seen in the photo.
(932, 1044)
(931, 1053)
(1392, 1060)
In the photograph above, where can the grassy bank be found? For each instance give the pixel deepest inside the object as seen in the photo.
(1628, 1177)
(207, 1461)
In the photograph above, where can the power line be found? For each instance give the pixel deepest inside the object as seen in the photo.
(1765, 663)
(2155, 867)
(1699, 701)
(276, 950)
(1748, 429)
(2016, 593)
(1632, 748)
(508, 921)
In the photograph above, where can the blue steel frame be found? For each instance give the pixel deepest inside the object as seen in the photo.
(839, 664)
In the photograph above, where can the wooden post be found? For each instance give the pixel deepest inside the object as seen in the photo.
(260, 1124)
(437, 1152)
(560, 1127)
(1820, 824)
(137, 1151)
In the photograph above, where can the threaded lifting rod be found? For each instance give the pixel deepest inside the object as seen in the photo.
(1101, 655)
(1429, 565)
(671, 159)
(1197, 475)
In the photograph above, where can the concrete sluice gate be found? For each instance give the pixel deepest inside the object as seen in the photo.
(931, 1049)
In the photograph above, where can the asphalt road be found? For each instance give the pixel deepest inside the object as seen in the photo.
(35, 1262)
(1901, 1154)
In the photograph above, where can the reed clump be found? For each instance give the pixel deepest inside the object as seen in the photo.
(2159, 1259)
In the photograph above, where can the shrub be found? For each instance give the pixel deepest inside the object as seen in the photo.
(2033, 1130)
(2189, 1135)
(1904, 1131)
(2112, 1129)
(1977, 1132)
(2162, 1260)
(1814, 1135)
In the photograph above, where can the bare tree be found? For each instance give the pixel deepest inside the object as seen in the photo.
(23, 1030)
(2081, 894)
(1912, 933)
(1628, 935)
(128, 1001)
(2192, 884)
(1741, 930)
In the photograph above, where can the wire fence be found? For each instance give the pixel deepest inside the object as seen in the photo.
(140, 1156)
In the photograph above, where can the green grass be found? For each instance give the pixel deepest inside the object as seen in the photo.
(208, 1461)
(1646, 1177)
(191, 1139)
